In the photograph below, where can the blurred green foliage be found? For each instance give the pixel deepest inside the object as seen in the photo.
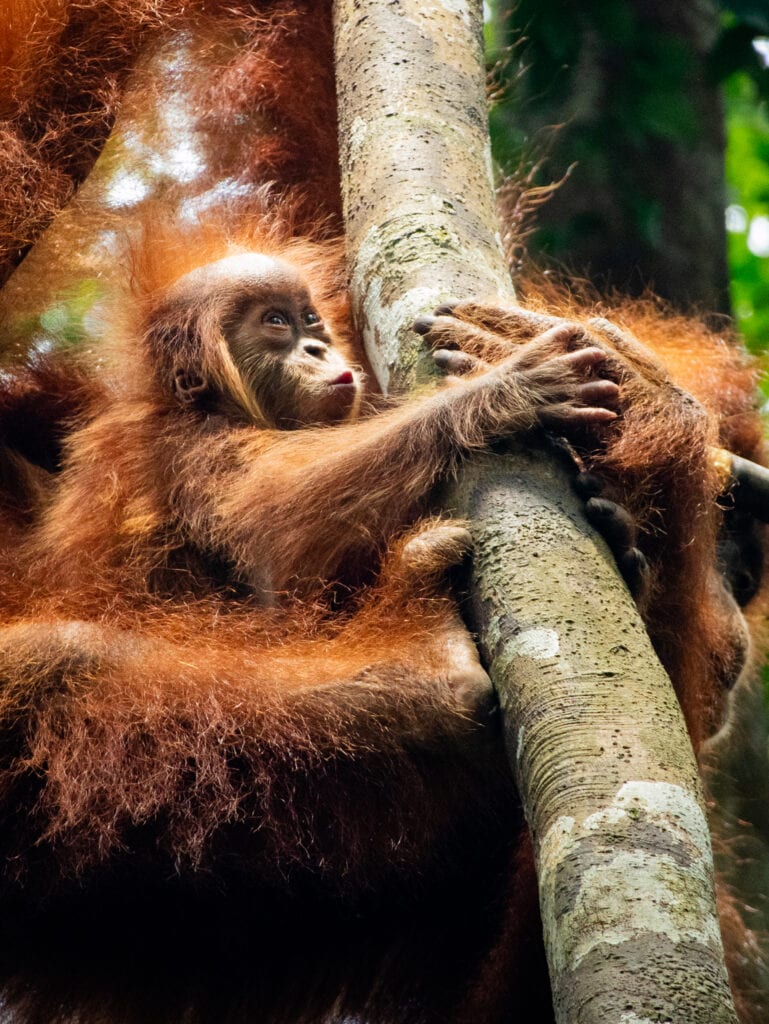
(746, 89)
(62, 324)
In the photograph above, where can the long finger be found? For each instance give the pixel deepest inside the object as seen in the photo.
(563, 338)
(613, 522)
(457, 363)
(509, 320)
(598, 392)
(564, 416)
(444, 332)
(630, 347)
(583, 359)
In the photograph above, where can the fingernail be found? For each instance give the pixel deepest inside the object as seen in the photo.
(423, 324)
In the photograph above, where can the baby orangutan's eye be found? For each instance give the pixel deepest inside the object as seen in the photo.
(275, 319)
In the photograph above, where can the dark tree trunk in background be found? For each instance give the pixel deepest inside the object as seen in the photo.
(629, 84)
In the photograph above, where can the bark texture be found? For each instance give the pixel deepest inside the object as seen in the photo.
(594, 733)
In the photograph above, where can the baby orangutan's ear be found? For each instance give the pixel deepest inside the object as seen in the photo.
(189, 386)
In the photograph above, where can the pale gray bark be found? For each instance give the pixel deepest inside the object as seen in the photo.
(595, 736)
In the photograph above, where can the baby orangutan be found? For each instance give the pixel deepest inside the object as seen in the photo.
(226, 366)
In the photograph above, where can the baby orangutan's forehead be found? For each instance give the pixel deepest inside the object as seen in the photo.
(254, 271)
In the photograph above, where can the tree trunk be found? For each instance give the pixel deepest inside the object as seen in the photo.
(594, 733)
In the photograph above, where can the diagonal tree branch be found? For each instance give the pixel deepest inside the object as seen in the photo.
(594, 733)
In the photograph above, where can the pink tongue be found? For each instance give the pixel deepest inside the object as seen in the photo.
(344, 378)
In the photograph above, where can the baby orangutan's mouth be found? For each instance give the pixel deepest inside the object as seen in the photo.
(344, 380)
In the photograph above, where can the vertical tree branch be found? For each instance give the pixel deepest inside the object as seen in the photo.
(594, 733)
